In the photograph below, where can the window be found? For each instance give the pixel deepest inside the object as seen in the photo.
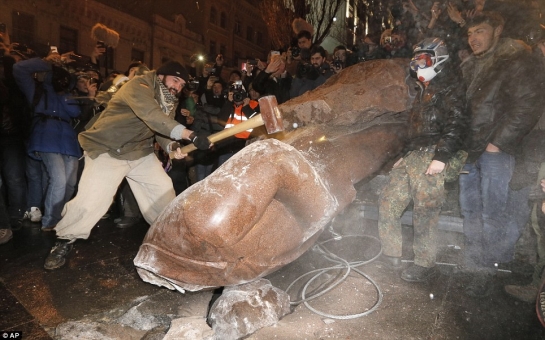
(250, 33)
(68, 41)
(223, 50)
(213, 16)
(238, 28)
(259, 38)
(212, 50)
(223, 20)
(137, 55)
(23, 28)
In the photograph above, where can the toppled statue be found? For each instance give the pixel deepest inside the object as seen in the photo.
(270, 202)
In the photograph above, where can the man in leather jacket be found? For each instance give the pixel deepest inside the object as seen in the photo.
(437, 127)
(505, 89)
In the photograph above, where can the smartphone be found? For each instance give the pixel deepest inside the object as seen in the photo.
(274, 55)
(2, 28)
(53, 49)
(243, 67)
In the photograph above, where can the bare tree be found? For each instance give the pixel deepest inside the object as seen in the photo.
(279, 14)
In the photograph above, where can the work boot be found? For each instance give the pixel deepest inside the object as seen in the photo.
(57, 256)
(416, 273)
(127, 222)
(481, 285)
(526, 293)
(391, 262)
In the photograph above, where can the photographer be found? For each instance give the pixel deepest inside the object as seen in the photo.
(273, 79)
(52, 138)
(342, 58)
(238, 108)
(210, 74)
(311, 75)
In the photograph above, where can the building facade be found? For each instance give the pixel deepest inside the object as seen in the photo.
(152, 32)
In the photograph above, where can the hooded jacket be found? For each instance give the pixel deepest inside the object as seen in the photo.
(127, 128)
(51, 124)
(505, 94)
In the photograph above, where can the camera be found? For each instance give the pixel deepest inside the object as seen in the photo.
(211, 71)
(337, 63)
(295, 51)
(192, 84)
(239, 93)
(252, 62)
(306, 70)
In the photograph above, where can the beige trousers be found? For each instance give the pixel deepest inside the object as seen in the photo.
(101, 177)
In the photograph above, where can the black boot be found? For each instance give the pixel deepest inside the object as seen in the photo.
(417, 273)
(127, 222)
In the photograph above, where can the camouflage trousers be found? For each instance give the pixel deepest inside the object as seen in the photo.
(409, 182)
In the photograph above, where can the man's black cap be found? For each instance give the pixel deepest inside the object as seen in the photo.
(173, 68)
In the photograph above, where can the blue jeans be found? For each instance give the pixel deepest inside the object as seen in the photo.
(484, 195)
(203, 171)
(63, 173)
(36, 182)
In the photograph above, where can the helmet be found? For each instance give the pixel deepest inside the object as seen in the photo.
(429, 56)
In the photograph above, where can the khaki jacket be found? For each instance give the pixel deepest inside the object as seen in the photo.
(133, 118)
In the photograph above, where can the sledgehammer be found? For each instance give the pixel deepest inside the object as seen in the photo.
(270, 116)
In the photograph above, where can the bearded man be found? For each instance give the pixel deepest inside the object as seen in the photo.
(120, 145)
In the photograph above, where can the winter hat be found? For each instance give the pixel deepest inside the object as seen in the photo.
(173, 68)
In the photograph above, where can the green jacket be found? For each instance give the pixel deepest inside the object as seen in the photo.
(133, 118)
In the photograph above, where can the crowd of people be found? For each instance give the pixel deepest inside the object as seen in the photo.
(71, 138)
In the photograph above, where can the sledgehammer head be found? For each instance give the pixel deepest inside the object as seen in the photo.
(272, 117)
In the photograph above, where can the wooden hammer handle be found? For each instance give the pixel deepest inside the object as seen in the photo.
(251, 123)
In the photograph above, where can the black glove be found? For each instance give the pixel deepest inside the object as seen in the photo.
(174, 146)
(200, 140)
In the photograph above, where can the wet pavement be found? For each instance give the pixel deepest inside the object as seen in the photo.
(100, 277)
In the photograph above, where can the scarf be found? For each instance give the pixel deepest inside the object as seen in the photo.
(168, 101)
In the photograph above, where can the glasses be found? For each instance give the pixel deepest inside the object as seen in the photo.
(421, 61)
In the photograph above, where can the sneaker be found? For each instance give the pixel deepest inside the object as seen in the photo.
(416, 273)
(5, 235)
(481, 285)
(526, 293)
(34, 215)
(57, 256)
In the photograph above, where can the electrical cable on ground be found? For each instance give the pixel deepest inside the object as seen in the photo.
(340, 265)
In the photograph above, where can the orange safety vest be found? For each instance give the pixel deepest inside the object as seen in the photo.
(238, 117)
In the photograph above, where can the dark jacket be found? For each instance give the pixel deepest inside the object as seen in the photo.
(438, 115)
(505, 98)
(309, 80)
(267, 85)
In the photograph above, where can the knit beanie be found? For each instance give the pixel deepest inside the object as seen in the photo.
(173, 68)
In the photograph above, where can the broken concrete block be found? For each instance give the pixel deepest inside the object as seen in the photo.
(244, 309)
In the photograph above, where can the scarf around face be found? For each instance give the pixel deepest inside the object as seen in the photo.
(168, 101)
